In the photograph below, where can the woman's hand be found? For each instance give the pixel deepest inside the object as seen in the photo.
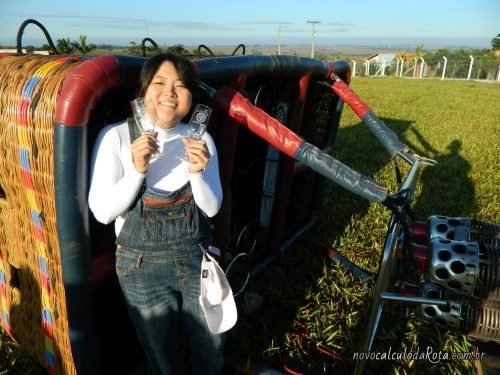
(143, 149)
(198, 154)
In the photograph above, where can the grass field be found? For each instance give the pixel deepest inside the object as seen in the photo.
(455, 122)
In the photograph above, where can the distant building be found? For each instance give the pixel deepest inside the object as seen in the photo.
(379, 58)
(379, 62)
(13, 50)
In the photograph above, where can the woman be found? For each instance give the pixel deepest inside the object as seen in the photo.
(160, 206)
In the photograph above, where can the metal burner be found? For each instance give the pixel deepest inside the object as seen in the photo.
(454, 265)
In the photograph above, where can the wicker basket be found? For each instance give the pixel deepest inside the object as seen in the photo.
(33, 297)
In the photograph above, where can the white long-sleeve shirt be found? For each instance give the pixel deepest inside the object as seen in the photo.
(115, 182)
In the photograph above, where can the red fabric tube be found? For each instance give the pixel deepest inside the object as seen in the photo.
(258, 121)
(83, 87)
(351, 98)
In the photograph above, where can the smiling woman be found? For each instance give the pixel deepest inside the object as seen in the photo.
(162, 208)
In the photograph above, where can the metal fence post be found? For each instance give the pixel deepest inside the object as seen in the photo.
(444, 66)
(422, 64)
(470, 67)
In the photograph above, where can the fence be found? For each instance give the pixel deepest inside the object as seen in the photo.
(419, 68)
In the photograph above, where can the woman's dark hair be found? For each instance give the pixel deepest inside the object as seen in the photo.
(183, 65)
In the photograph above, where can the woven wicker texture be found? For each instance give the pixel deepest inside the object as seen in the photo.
(32, 300)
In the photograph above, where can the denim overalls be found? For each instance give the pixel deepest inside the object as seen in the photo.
(158, 260)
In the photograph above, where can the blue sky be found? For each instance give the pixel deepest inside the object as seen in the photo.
(189, 22)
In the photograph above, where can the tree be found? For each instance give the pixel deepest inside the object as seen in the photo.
(134, 49)
(64, 46)
(419, 50)
(495, 42)
(82, 46)
(179, 49)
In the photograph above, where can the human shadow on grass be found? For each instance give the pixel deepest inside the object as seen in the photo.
(447, 188)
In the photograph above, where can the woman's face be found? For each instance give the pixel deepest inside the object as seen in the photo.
(167, 96)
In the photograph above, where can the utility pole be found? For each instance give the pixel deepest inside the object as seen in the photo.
(279, 40)
(313, 34)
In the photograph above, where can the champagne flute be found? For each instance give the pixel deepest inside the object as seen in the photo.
(142, 117)
(197, 125)
(144, 120)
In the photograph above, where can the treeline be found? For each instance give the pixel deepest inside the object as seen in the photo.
(461, 55)
(66, 46)
(477, 63)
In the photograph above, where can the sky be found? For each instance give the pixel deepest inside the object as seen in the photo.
(363, 22)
